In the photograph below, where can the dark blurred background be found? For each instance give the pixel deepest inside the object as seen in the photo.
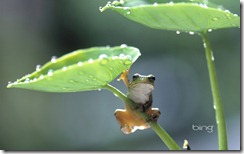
(32, 31)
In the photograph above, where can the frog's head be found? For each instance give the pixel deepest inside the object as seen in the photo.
(137, 78)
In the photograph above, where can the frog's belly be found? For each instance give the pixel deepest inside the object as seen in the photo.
(140, 93)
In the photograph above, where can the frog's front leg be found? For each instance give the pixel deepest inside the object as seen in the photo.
(124, 77)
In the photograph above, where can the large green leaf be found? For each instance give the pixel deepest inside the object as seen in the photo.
(81, 70)
(188, 16)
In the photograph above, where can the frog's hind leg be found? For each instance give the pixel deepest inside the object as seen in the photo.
(124, 120)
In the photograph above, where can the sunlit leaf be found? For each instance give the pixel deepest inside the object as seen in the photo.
(81, 70)
(187, 16)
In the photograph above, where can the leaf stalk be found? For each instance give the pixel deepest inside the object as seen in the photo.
(217, 102)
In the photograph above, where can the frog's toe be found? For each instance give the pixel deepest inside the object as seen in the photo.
(126, 129)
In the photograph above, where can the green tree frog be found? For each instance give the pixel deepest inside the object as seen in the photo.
(140, 92)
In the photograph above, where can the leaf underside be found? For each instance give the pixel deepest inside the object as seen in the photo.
(186, 17)
(81, 70)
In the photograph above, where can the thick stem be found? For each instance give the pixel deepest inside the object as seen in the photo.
(218, 106)
(163, 135)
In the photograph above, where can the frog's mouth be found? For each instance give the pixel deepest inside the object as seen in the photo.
(140, 92)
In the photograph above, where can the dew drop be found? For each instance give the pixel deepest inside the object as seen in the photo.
(64, 68)
(235, 15)
(204, 45)
(177, 32)
(227, 11)
(155, 4)
(41, 77)
(53, 59)
(203, 5)
(127, 62)
(38, 67)
(99, 89)
(228, 16)
(191, 33)
(121, 1)
(212, 57)
(214, 106)
(209, 30)
(27, 80)
(128, 57)
(9, 82)
(215, 19)
(100, 8)
(102, 56)
(90, 61)
(79, 63)
(123, 45)
(50, 72)
(122, 55)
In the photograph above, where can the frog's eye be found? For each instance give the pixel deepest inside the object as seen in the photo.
(135, 76)
(151, 78)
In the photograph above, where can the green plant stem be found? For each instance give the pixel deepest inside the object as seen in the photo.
(218, 106)
(163, 135)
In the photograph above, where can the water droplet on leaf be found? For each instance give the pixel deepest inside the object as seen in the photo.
(79, 63)
(90, 61)
(123, 45)
(215, 18)
(191, 33)
(50, 72)
(27, 80)
(155, 4)
(53, 59)
(64, 68)
(100, 8)
(127, 62)
(41, 77)
(38, 67)
(177, 32)
(102, 56)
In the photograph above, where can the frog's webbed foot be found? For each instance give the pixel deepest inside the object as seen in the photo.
(124, 77)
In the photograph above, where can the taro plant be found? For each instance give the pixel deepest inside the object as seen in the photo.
(95, 68)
